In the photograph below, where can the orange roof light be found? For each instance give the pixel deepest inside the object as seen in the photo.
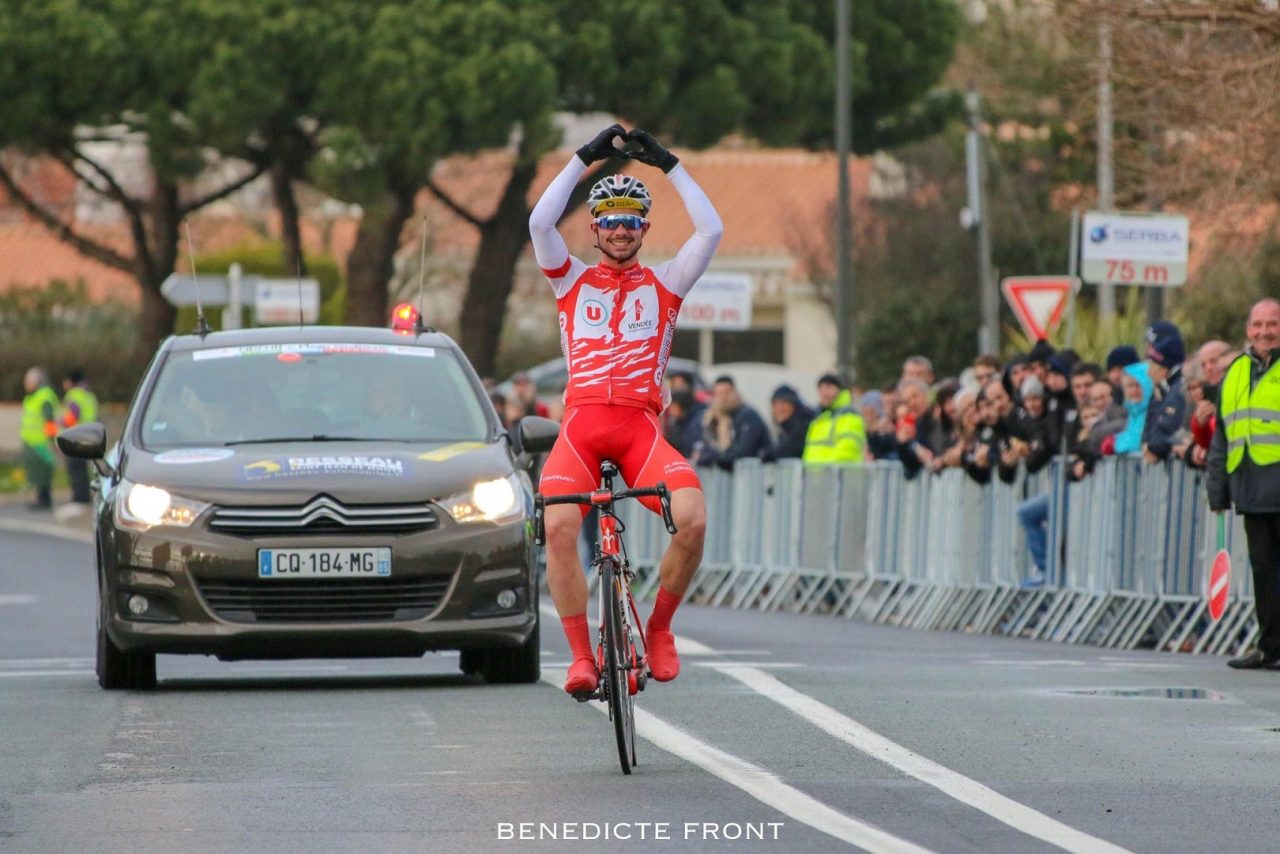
(404, 319)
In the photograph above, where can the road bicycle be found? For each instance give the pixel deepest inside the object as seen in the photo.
(619, 660)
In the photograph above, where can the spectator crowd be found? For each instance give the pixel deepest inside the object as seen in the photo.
(997, 419)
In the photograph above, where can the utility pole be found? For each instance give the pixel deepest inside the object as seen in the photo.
(1106, 171)
(976, 175)
(844, 217)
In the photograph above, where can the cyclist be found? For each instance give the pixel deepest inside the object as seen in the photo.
(617, 319)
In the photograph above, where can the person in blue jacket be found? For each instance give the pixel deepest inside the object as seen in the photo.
(731, 429)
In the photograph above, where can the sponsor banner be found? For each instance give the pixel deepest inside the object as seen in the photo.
(284, 467)
(718, 301)
(313, 350)
(1134, 249)
(187, 456)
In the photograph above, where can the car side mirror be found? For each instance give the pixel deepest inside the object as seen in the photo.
(537, 434)
(84, 442)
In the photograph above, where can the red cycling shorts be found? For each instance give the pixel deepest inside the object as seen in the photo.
(628, 435)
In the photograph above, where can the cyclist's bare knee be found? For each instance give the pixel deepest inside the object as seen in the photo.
(563, 522)
(689, 512)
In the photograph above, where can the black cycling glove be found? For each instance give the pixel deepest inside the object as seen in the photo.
(602, 148)
(651, 151)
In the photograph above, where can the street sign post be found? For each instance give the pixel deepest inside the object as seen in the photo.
(1134, 249)
(286, 301)
(1038, 301)
(275, 301)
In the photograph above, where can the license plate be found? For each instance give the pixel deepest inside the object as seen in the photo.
(324, 563)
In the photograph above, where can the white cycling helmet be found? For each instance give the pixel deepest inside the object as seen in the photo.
(618, 193)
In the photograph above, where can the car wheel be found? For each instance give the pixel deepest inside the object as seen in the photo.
(116, 668)
(471, 661)
(518, 666)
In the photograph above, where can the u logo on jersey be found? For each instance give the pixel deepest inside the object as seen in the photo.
(594, 312)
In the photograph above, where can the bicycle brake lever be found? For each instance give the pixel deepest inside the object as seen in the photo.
(539, 525)
(665, 500)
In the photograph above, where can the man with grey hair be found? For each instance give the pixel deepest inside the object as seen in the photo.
(916, 445)
(918, 368)
(39, 426)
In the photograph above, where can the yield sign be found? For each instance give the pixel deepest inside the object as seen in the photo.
(1038, 301)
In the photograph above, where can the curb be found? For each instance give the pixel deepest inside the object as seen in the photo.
(46, 529)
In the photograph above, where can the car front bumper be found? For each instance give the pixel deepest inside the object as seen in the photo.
(451, 576)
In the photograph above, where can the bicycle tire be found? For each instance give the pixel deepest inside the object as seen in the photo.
(617, 656)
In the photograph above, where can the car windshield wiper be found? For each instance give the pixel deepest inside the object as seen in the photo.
(315, 437)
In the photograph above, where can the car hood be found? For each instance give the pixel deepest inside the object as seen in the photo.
(352, 472)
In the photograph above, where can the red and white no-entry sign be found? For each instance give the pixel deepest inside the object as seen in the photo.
(1038, 301)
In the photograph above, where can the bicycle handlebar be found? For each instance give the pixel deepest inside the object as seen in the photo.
(598, 498)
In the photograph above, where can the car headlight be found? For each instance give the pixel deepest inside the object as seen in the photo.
(141, 507)
(488, 501)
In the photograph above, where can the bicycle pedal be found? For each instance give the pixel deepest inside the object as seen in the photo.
(586, 697)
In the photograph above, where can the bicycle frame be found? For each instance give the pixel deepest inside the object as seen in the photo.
(623, 668)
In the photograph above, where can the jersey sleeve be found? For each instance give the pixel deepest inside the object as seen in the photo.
(681, 272)
(549, 247)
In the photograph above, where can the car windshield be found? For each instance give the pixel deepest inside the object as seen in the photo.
(312, 392)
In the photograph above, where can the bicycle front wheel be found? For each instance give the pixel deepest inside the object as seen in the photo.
(617, 657)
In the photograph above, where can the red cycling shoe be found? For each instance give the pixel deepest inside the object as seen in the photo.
(583, 677)
(664, 663)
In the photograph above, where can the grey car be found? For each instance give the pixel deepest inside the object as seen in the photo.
(314, 492)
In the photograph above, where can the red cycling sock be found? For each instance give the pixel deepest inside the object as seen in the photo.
(663, 608)
(575, 629)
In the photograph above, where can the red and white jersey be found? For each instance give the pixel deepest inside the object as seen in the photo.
(617, 326)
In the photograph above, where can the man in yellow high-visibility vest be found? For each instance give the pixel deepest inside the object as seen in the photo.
(837, 434)
(79, 406)
(39, 426)
(1242, 469)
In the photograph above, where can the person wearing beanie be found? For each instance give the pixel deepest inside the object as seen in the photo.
(1038, 358)
(1120, 357)
(1167, 411)
(1033, 441)
(1032, 387)
(836, 435)
(792, 418)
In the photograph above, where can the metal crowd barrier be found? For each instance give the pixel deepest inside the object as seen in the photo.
(1129, 550)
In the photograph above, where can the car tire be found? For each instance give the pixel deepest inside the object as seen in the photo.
(471, 661)
(117, 669)
(520, 665)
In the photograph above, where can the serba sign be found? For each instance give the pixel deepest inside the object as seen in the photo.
(1137, 249)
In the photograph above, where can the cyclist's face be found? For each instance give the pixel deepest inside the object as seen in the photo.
(620, 243)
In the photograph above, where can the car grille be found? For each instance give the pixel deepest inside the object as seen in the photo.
(324, 514)
(338, 600)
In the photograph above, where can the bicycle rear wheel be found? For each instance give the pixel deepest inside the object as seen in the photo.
(617, 658)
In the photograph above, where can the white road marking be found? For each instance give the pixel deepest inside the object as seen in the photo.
(47, 529)
(20, 673)
(14, 663)
(764, 664)
(18, 598)
(954, 784)
(761, 784)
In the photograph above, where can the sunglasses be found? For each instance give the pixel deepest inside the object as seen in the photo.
(631, 222)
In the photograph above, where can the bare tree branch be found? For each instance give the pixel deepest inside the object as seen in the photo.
(453, 205)
(213, 196)
(114, 190)
(99, 252)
